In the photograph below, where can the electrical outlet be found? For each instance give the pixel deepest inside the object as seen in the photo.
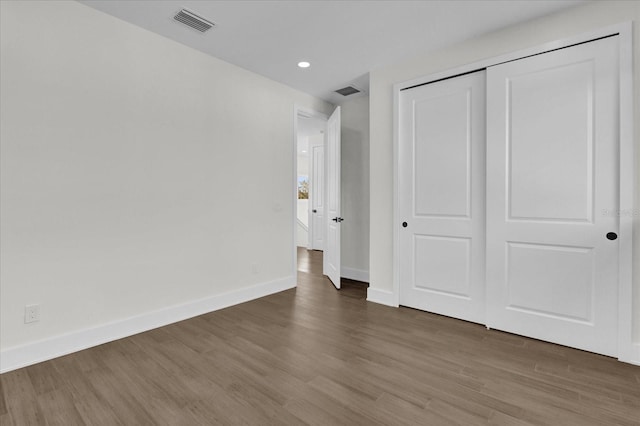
(31, 313)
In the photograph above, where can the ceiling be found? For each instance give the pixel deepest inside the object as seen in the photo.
(343, 40)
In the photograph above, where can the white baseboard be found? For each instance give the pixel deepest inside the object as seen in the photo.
(53, 347)
(355, 274)
(633, 356)
(383, 297)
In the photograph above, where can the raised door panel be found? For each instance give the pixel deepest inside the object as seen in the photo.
(537, 271)
(443, 265)
(550, 143)
(442, 150)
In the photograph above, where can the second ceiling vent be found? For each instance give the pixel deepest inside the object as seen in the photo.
(346, 91)
(194, 21)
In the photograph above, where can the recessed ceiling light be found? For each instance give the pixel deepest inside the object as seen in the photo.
(304, 150)
(304, 64)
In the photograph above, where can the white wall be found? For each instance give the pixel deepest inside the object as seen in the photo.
(303, 212)
(302, 235)
(303, 165)
(132, 171)
(303, 159)
(562, 25)
(355, 188)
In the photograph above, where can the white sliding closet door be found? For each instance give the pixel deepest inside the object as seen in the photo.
(552, 188)
(441, 198)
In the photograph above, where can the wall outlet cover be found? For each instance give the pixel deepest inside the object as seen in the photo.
(31, 313)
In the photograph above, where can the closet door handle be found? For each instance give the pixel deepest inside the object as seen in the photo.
(612, 236)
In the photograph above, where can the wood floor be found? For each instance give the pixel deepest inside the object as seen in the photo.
(317, 356)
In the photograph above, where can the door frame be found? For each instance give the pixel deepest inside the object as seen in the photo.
(299, 111)
(313, 193)
(628, 351)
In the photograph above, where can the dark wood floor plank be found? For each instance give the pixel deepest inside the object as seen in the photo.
(59, 408)
(6, 420)
(119, 397)
(404, 412)
(317, 402)
(310, 414)
(21, 398)
(3, 403)
(92, 408)
(455, 413)
(314, 355)
(361, 403)
(499, 418)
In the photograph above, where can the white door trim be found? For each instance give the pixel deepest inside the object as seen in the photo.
(316, 181)
(628, 351)
(298, 111)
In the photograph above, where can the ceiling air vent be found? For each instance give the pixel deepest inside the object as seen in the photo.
(346, 91)
(194, 21)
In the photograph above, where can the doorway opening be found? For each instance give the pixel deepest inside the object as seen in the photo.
(310, 267)
(310, 204)
(317, 188)
(310, 262)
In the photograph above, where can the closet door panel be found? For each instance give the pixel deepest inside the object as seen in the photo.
(442, 197)
(552, 148)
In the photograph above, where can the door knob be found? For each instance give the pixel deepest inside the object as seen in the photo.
(612, 236)
(314, 211)
(337, 219)
(404, 224)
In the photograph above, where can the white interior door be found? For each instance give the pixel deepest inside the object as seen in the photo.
(332, 166)
(317, 222)
(441, 201)
(552, 168)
